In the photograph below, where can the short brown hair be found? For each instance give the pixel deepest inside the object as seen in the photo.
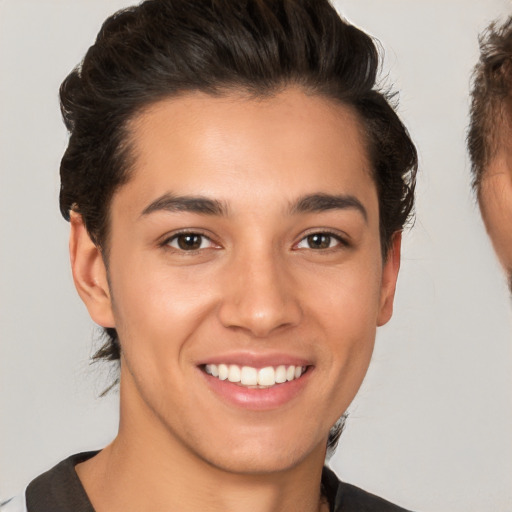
(491, 97)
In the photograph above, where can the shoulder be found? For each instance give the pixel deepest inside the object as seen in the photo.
(345, 497)
(59, 489)
(354, 498)
(16, 504)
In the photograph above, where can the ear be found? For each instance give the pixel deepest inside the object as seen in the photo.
(389, 277)
(89, 273)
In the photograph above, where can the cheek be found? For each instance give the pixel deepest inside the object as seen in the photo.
(350, 335)
(348, 298)
(496, 205)
(157, 310)
(348, 311)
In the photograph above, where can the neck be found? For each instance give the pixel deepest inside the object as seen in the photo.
(119, 479)
(147, 468)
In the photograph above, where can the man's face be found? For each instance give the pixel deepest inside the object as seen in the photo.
(495, 198)
(246, 243)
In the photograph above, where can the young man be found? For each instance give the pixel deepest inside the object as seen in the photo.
(236, 187)
(489, 138)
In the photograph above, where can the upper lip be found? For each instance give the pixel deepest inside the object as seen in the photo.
(256, 360)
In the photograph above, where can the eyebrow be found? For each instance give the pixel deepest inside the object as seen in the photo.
(195, 204)
(310, 203)
(313, 203)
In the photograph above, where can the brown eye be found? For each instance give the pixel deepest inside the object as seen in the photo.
(319, 241)
(189, 242)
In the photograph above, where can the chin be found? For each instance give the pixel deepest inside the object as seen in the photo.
(263, 457)
(257, 463)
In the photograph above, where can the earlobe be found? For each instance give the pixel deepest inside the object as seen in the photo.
(389, 278)
(89, 273)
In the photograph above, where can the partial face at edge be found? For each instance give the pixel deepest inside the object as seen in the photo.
(248, 236)
(495, 199)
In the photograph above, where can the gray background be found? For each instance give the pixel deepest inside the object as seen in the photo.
(432, 425)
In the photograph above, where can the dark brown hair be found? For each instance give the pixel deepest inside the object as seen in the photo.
(491, 97)
(162, 48)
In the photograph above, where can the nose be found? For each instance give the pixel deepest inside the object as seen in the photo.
(260, 295)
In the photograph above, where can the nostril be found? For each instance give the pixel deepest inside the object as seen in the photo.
(260, 319)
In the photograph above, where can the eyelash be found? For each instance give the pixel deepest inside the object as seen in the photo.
(340, 241)
(167, 242)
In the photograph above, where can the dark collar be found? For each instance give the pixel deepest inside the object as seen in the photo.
(60, 489)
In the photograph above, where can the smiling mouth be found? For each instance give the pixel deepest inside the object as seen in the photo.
(250, 377)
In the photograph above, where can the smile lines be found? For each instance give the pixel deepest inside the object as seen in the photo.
(253, 377)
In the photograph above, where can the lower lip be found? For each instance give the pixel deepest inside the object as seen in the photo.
(258, 399)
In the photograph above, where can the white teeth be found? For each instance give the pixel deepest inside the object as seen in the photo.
(281, 374)
(212, 369)
(223, 371)
(249, 376)
(234, 373)
(267, 376)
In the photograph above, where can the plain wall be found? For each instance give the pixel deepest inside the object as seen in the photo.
(432, 425)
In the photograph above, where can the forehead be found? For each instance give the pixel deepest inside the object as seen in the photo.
(287, 145)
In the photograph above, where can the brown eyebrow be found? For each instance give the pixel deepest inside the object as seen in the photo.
(321, 202)
(194, 204)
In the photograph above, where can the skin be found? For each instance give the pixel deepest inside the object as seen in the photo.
(495, 199)
(255, 288)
